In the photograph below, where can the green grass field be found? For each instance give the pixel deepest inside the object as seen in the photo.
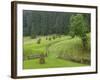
(64, 46)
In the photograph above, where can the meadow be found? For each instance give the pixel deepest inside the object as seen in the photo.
(60, 51)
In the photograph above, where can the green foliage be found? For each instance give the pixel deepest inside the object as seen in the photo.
(33, 36)
(84, 41)
(39, 41)
(50, 38)
(53, 37)
(71, 33)
(78, 27)
(45, 23)
(42, 59)
(50, 29)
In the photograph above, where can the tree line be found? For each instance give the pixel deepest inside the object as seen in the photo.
(37, 23)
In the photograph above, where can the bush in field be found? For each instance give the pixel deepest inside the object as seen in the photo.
(46, 38)
(50, 38)
(33, 36)
(42, 59)
(54, 37)
(39, 41)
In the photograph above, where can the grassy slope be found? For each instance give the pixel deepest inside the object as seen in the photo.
(50, 63)
(72, 47)
(31, 46)
(65, 44)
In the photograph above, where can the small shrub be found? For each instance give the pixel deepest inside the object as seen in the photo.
(33, 36)
(42, 59)
(39, 41)
(50, 38)
(46, 38)
(53, 37)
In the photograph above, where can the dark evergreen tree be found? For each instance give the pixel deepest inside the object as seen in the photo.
(37, 23)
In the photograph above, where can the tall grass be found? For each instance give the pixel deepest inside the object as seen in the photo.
(72, 49)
